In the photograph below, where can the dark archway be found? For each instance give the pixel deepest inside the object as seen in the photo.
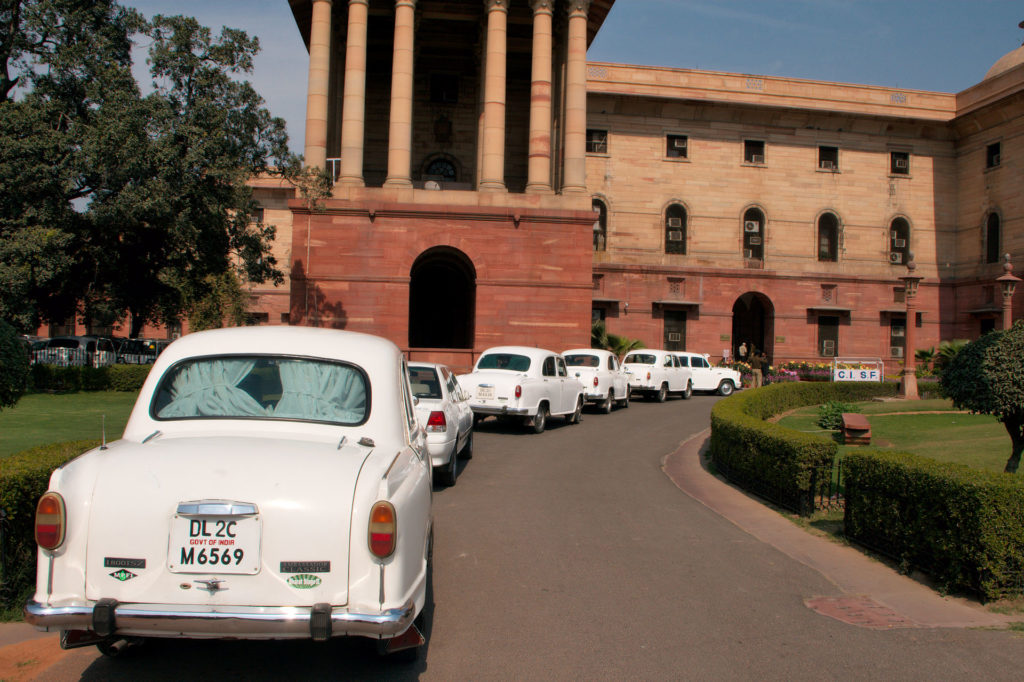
(753, 323)
(442, 300)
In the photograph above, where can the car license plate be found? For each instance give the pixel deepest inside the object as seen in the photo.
(485, 392)
(214, 544)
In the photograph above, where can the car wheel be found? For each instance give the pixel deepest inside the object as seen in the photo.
(662, 393)
(606, 406)
(577, 416)
(688, 393)
(467, 449)
(725, 388)
(541, 419)
(448, 474)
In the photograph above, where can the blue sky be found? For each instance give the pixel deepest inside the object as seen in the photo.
(943, 45)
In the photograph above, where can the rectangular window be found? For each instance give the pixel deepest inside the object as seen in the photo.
(597, 141)
(828, 335)
(828, 158)
(257, 216)
(676, 146)
(992, 155)
(899, 163)
(753, 151)
(897, 336)
(675, 330)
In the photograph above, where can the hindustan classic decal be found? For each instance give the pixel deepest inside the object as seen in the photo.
(304, 581)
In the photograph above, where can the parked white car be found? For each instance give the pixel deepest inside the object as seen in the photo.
(444, 413)
(271, 483)
(655, 373)
(529, 383)
(604, 381)
(707, 377)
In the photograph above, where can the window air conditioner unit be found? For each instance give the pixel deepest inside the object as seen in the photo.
(995, 159)
(751, 226)
(902, 164)
(675, 235)
(899, 243)
(675, 222)
(827, 165)
(895, 257)
(679, 143)
(675, 337)
(898, 332)
(754, 241)
(896, 351)
(828, 347)
(757, 158)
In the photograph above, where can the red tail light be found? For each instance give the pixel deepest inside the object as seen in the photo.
(519, 391)
(51, 520)
(595, 382)
(437, 422)
(382, 530)
(648, 376)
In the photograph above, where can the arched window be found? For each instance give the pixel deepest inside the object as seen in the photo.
(675, 229)
(899, 241)
(828, 237)
(992, 235)
(600, 225)
(441, 169)
(753, 234)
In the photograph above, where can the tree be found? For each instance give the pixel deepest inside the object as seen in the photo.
(129, 203)
(13, 366)
(987, 377)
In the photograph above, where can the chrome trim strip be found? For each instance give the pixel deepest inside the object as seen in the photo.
(216, 508)
(246, 622)
(504, 409)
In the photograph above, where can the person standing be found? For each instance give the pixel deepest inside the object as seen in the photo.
(757, 360)
(742, 352)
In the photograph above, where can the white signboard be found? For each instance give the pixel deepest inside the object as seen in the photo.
(861, 374)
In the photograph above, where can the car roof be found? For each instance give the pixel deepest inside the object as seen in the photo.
(587, 351)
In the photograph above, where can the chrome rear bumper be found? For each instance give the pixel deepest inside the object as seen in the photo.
(231, 622)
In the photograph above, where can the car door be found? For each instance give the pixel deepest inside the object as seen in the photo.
(570, 386)
(618, 376)
(460, 406)
(703, 377)
(671, 366)
(551, 386)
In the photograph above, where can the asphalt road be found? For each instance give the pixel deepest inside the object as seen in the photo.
(570, 555)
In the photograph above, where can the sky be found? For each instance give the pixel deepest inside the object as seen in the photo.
(939, 45)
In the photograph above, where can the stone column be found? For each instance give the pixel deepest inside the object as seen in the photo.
(400, 128)
(575, 175)
(316, 92)
(492, 177)
(539, 168)
(353, 121)
(908, 383)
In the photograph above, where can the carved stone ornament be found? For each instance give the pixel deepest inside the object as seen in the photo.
(499, 5)
(538, 6)
(578, 7)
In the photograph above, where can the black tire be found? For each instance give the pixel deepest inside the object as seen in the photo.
(467, 449)
(449, 473)
(688, 393)
(606, 406)
(541, 420)
(726, 388)
(577, 416)
(662, 393)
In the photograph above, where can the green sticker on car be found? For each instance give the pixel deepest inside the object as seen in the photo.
(122, 575)
(304, 581)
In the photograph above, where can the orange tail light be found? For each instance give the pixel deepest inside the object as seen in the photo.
(51, 521)
(383, 524)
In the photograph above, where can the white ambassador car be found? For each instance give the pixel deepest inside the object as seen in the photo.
(655, 373)
(526, 383)
(604, 381)
(271, 483)
(444, 413)
(707, 377)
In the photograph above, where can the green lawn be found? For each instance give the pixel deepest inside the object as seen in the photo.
(42, 418)
(977, 440)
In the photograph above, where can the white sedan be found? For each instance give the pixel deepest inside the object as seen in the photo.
(604, 381)
(526, 383)
(655, 373)
(707, 377)
(443, 410)
(271, 483)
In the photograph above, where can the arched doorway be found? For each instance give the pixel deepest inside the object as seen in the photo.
(442, 299)
(753, 323)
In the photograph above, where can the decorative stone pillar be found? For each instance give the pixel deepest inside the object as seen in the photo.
(353, 121)
(539, 168)
(400, 128)
(908, 383)
(1008, 284)
(492, 177)
(316, 92)
(575, 174)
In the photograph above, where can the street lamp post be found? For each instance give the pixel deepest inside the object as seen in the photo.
(1008, 283)
(908, 383)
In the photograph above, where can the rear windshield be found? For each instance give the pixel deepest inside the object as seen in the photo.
(263, 387)
(425, 383)
(509, 361)
(583, 360)
(639, 359)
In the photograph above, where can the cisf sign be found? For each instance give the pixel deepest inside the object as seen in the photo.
(857, 375)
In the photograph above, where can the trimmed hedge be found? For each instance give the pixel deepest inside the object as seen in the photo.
(69, 379)
(24, 478)
(764, 456)
(962, 526)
